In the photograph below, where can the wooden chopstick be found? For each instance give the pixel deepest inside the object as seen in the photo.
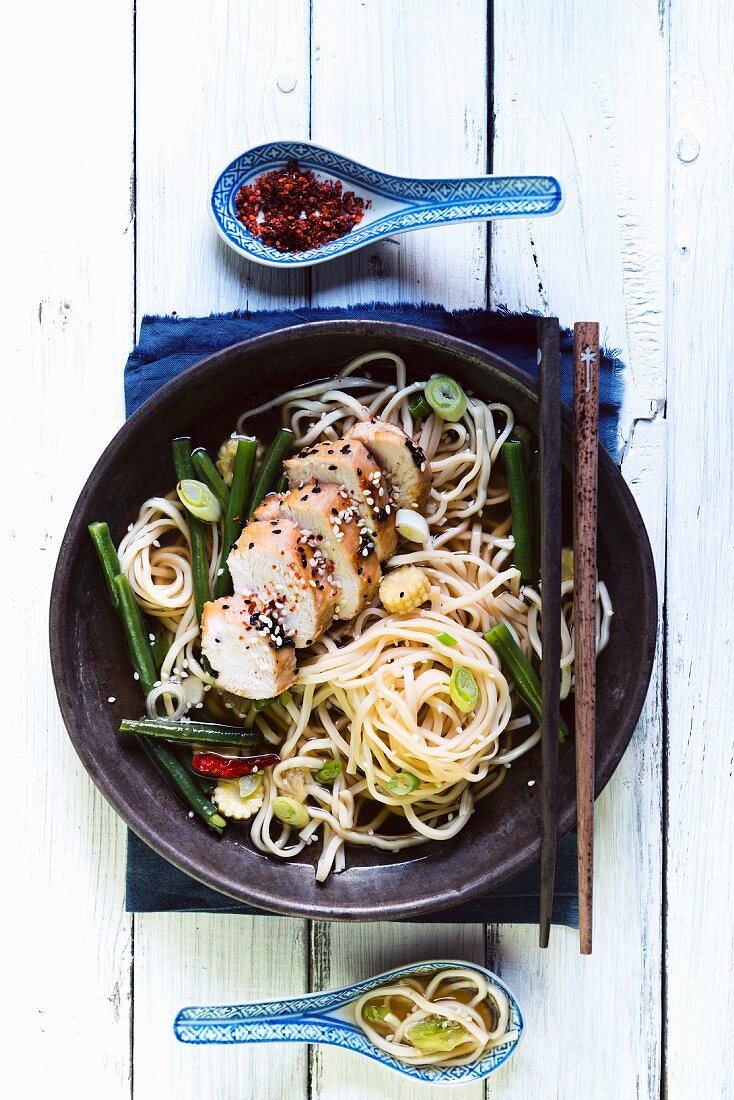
(549, 378)
(585, 466)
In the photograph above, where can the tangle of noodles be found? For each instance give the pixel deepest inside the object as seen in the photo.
(374, 693)
(460, 1007)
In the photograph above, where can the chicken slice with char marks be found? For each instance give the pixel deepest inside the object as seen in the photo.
(349, 464)
(407, 468)
(329, 514)
(273, 559)
(247, 647)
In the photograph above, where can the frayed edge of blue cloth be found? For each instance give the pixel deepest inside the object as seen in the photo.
(170, 344)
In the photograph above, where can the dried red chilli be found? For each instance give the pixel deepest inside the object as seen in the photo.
(230, 767)
(291, 210)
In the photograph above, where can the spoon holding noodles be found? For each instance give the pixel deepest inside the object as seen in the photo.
(442, 1022)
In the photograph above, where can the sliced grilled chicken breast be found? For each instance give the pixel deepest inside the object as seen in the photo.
(349, 464)
(407, 468)
(276, 561)
(328, 513)
(247, 647)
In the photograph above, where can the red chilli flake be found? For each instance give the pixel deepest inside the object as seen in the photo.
(230, 767)
(291, 210)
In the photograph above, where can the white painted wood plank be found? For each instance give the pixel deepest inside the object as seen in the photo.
(209, 82)
(66, 86)
(387, 91)
(207, 89)
(402, 86)
(700, 885)
(596, 119)
(186, 959)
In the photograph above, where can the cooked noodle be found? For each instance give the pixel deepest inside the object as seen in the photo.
(373, 694)
(459, 1006)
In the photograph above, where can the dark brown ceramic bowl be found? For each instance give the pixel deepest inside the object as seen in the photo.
(90, 661)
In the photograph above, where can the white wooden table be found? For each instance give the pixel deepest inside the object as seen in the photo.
(117, 116)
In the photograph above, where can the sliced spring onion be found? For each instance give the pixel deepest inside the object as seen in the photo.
(198, 499)
(375, 1012)
(446, 639)
(285, 698)
(566, 564)
(436, 1034)
(403, 783)
(418, 407)
(328, 771)
(291, 812)
(177, 695)
(463, 690)
(261, 704)
(446, 397)
(412, 526)
(250, 784)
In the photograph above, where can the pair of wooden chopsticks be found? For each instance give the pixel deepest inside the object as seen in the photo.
(585, 462)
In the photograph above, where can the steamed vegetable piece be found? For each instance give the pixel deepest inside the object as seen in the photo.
(234, 518)
(436, 1034)
(446, 397)
(463, 690)
(182, 782)
(137, 639)
(412, 526)
(418, 407)
(198, 500)
(193, 733)
(328, 772)
(290, 812)
(271, 468)
(518, 667)
(517, 482)
(208, 472)
(107, 554)
(403, 783)
(199, 562)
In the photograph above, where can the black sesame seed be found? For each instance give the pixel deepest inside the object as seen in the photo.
(251, 546)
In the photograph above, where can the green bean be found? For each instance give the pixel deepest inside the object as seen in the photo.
(535, 502)
(271, 467)
(521, 434)
(142, 656)
(107, 554)
(137, 639)
(193, 733)
(210, 474)
(524, 676)
(184, 784)
(244, 464)
(197, 531)
(517, 482)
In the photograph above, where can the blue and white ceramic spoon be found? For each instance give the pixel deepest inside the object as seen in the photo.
(398, 203)
(328, 1018)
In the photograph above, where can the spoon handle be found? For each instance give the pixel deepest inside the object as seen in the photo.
(253, 1024)
(484, 197)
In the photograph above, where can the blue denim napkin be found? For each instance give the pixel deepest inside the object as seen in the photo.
(167, 346)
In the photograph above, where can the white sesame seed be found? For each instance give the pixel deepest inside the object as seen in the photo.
(531, 782)
(111, 699)
(191, 813)
(136, 675)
